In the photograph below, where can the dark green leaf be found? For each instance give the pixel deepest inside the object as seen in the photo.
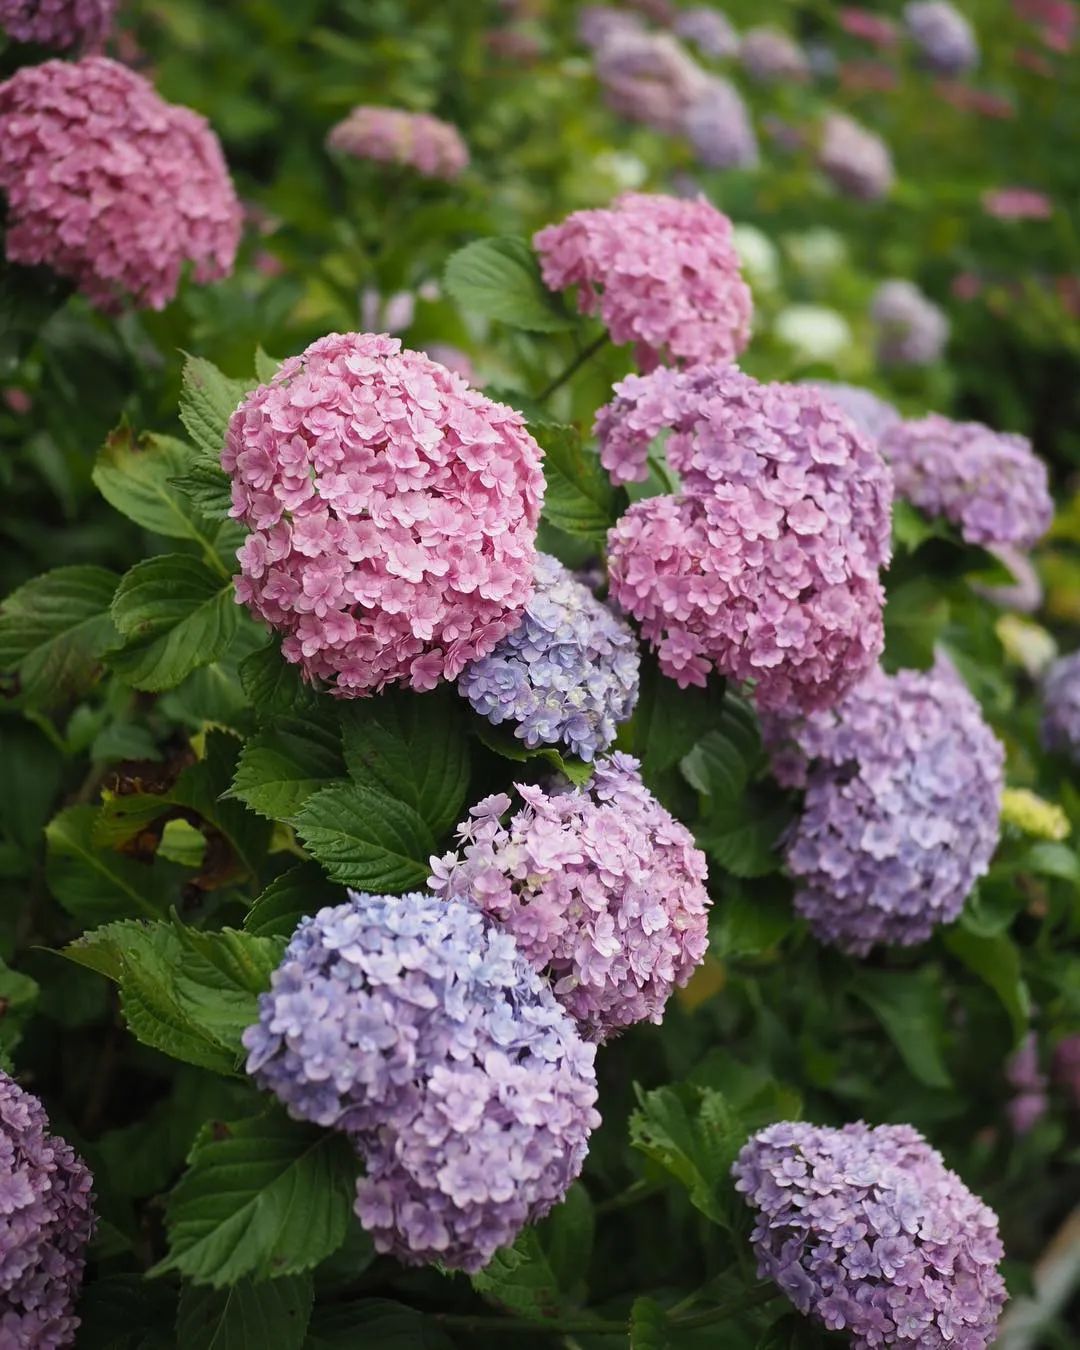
(207, 400)
(375, 1322)
(53, 633)
(501, 741)
(301, 890)
(580, 498)
(909, 1007)
(649, 1326)
(670, 721)
(367, 840)
(500, 278)
(126, 1312)
(96, 885)
(285, 763)
(544, 1272)
(271, 1315)
(694, 1134)
(273, 684)
(996, 961)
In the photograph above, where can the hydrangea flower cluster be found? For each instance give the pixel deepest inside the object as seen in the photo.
(649, 78)
(772, 56)
(1017, 203)
(944, 38)
(58, 23)
(110, 186)
(602, 888)
(46, 1220)
(871, 27)
(599, 24)
(767, 565)
(417, 141)
(1024, 1074)
(717, 125)
(661, 271)
(867, 1231)
(990, 484)
(417, 1027)
(567, 675)
(903, 784)
(856, 161)
(1061, 706)
(911, 330)
(709, 30)
(393, 513)
(871, 414)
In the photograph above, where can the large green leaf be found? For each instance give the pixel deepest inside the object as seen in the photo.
(546, 1269)
(366, 839)
(995, 960)
(500, 278)
(580, 498)
(175, 614)
(287, 761)
(375, 1322)
(134, 475)
(301, 890)
(126, 1312)
(53, 633)
(670, 721)
(909, 1006)
(270, 1315)
(274, 685)
(262, 1197)
(96, 884)
(207, 400)
(412, 747)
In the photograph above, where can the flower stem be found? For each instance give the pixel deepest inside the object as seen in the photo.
(574, 366)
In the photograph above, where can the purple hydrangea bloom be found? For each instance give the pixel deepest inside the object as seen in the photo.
(58, 23)
(649, 78)
(903, 784)
(945, 39)
(710, 31)
(990, 484)
(911, 330)
(717, 124)
(856, 161)
(568, 674)
(46, 1220)
(602, 888)
(1024, 594)
(599, 24)
(772, 56)
(418, 1028)
(1031, 1099)
(767, 566)
(1061, 706)
(871, 414)
(868, 1232)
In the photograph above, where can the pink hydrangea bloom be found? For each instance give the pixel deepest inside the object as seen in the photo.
(393, 513)
(1017, 203)
(419, 141)
(767, 566)
(873, 28)
(661, 271)
(110, 186)
(601, 888)
(58, 23)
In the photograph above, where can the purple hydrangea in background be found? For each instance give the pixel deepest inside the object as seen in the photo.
(871, 414)
(1066, 1068)
(417, 1027)
(567, 674)
(990, 484)
(771, 56)
(599, 24)
(58, 23)
(856, 161)
(710, 31)
(433, 148)
(717, 125)
(944, 37)
(649, 78)
(602, 888)
(1024, 594)
(46, 1220)
(1024, 1074)
(110, 186)
(911, 330)
(767, 566)
(903, 784)
(868, 1232)
(1061, 706)
(661, 271)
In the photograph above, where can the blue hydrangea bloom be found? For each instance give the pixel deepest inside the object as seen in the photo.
(567, 675)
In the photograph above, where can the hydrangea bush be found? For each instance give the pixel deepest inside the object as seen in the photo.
(537, 655)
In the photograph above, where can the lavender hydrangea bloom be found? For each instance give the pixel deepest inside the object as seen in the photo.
(568, 674)
(601, 887)
(871, 415)
(911, 330)
(419, 1029)
(868, 1232)
(710, 31)
(903, 784)
(46, 1220)
(771, 56)
(58, 23)
(1061, 706)
(717, 124)
(990, 484)
(856, 161)
(944, 37)
(649, 78)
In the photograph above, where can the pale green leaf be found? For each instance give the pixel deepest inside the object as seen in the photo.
(500, 278)
(53, 633)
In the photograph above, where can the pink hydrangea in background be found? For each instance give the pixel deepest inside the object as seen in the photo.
(649, 78)
(600, 24)
(767, 566)
(872, 415)
(910, 329)
(710, 31)
(661, 271)
(990, 484)
(58, 23)
(772, 56)
(418, 141)
(110, 186)
(1017, 203)
(856, 161)
(601, 887)
(393, 513)
(873, 28)
(943, 36)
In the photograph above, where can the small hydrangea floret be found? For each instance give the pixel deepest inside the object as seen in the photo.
(602, 888)
(392, 510)
(868, 1233)
(419, 141)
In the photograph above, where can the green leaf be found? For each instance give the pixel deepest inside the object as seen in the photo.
(272, 1315)
(412, 747)
(670, 721)
(367, 840)
(18, 995)
(274, 685)
(580, 497)
(748, 920)
(96, 885)
(912, 528)
(694, 1135)
(263, 1197)
(135, 475)
(207, 400)
(207, 487)
(500, 278)
(544, 1272)
(126, 1312)
(285, 763)
(266, 367)
(996, 961)
(502, 741)
(915, 616)
(54, 632)
(175, 615)
(649, 1326)
(909, 1006)
(301, 890)
(375, 1322)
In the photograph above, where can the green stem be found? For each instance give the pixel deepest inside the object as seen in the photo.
(574, 366)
